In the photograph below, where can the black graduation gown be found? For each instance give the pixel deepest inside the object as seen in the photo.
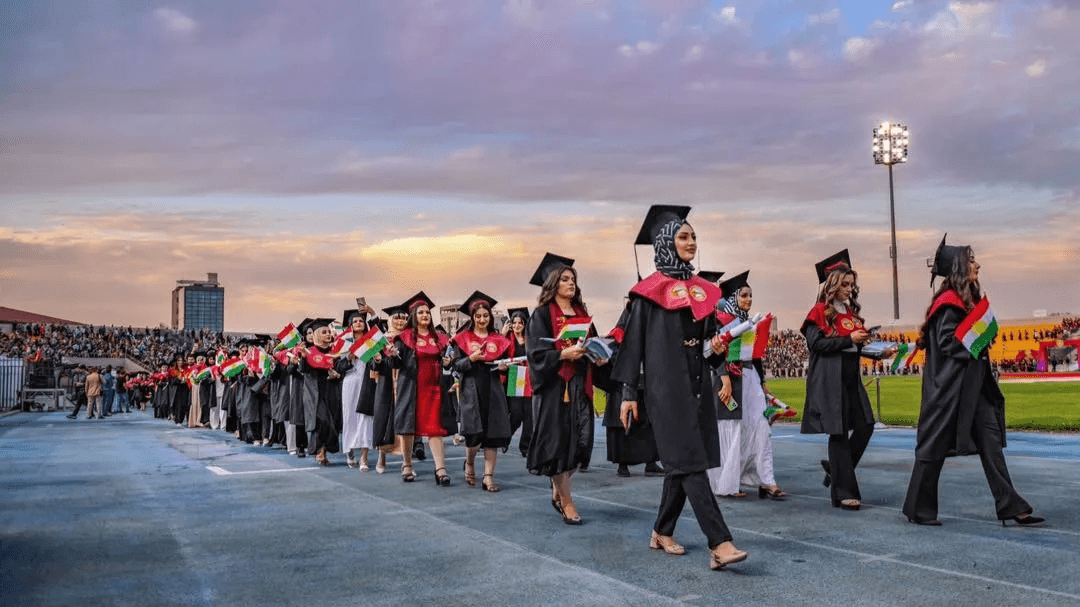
(556, 444)
(405, 401)
(279, 393)
(366, 402)
(954, 386)
(835, 395)
(207, 397)
(520, 406)
(228, 403)
(678, 382)
(638, 446)
(321, 418)
(383, 418)
(482, 409)
(179, 399)
(295, 406)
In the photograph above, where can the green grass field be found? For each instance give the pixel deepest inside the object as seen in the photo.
(1038, 406)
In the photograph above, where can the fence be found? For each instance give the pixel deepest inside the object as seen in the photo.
(12, 381)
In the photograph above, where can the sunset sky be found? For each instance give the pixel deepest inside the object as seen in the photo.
(311, 152)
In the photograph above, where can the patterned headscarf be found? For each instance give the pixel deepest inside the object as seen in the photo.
(665, 256)
(730, 305)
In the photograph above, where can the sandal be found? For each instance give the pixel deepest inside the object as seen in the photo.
(774, 492)
(441, 480)
(556, 503)
(492, 488)
(571, 520)
(470, 477)
(407, 474)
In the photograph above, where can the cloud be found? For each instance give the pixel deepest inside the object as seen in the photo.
(831, 16)
(902, 5)
(1036, 68)
(858, 49)
(174, 21)
(726, 15)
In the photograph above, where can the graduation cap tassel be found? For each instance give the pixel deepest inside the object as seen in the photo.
(636, 266)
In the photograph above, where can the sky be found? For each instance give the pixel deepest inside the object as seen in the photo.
(313, 152)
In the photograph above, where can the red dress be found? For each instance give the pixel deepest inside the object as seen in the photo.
(429, 351)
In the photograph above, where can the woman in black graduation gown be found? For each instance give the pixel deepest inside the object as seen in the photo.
(520, 406)
(963, 410)
(561, 379)
(836, 401)
(636, 445)
(670, 336)
(386, 388)
(482, 410)
(322, 418)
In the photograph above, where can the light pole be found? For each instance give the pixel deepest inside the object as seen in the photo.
(891, 147)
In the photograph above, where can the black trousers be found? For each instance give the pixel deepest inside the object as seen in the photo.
(844, 454)
(694, 486)
(921, 503)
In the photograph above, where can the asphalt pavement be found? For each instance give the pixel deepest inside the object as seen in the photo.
(136, 511)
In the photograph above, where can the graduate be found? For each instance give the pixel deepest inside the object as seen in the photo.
(386, 388)
(836, 401)
(356, 422)
(963, 409)
(520, 406)
(482, 409)
(419, 410)
(296, 437)
(320, 369)
(636, 445)
(724, 479)
(670, 337)
(754, 462)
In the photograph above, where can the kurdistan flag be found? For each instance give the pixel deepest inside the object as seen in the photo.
(575, 328)
(203, 374)
(979, 329)
(370, 344)
(517, 381)
(751, 344)
(341, 343)
(232, 367)
(904, 355)
(289, 337)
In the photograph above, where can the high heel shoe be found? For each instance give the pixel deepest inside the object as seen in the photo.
(555, 501)
(492, 488)
(929, 523)
(828, 475)
(1025, 521)
(773, 492)
(666, 543)
(407, 474)
(571, 520)
(719, 559)
(470, 477)
(441, 480)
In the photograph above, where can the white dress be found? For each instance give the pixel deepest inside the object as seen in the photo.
(356, 428)
(756, 436)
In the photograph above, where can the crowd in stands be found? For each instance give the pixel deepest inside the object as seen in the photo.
(787, 355)
(45, 343)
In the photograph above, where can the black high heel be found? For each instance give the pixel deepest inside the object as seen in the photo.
(1024, 522)
(776, 494)
(930, 523)
(828, 475)
(555, 499)
(441, 480)
(492, 488)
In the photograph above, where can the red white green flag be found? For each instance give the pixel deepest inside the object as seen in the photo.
(575, 328)
(370, 344)
(221, 356)
(751, 344)
(342, 343)
(904, 355)
(203, 374)
(979, 329)
(517, 381)
(289, 337)
(232, 367)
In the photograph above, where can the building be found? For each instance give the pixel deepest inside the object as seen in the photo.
(199, 304)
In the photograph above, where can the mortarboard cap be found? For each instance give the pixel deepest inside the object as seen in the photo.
(522, 312)
(946, 258)
(710, 276)
(548, 265)
(347, 316)
(832, 262)
(250, 341)
(319, 323)
(392, 310)
(733, 284)
(658, 216)
(476, 298)
(440, 329)
(415, 300)
(304, 325)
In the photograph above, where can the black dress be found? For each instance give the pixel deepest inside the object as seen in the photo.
(483, 413)
(520, 406)
(962, 413)
(638, 446)
(561, 402)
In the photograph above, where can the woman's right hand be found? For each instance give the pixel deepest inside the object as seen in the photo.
(476, 356)
(572, 353)
(725, 391)
(860, 336)
(628, 413)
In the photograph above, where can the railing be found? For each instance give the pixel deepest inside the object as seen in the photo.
(12, 382)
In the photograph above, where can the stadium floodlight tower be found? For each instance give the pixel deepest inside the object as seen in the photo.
(891, 147)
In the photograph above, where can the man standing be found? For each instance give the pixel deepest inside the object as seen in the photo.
(78, 385)
(108, 391)
(93, 393)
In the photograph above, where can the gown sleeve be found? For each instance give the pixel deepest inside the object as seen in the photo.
(543, 357)
(819, 344)
(948, 320)
(628, 365)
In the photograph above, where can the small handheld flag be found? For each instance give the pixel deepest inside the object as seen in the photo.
(289, 337)
(518, 382)
(370, 344)
(232, 367)
(575, 328)
(905, 353)
(979, 329)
